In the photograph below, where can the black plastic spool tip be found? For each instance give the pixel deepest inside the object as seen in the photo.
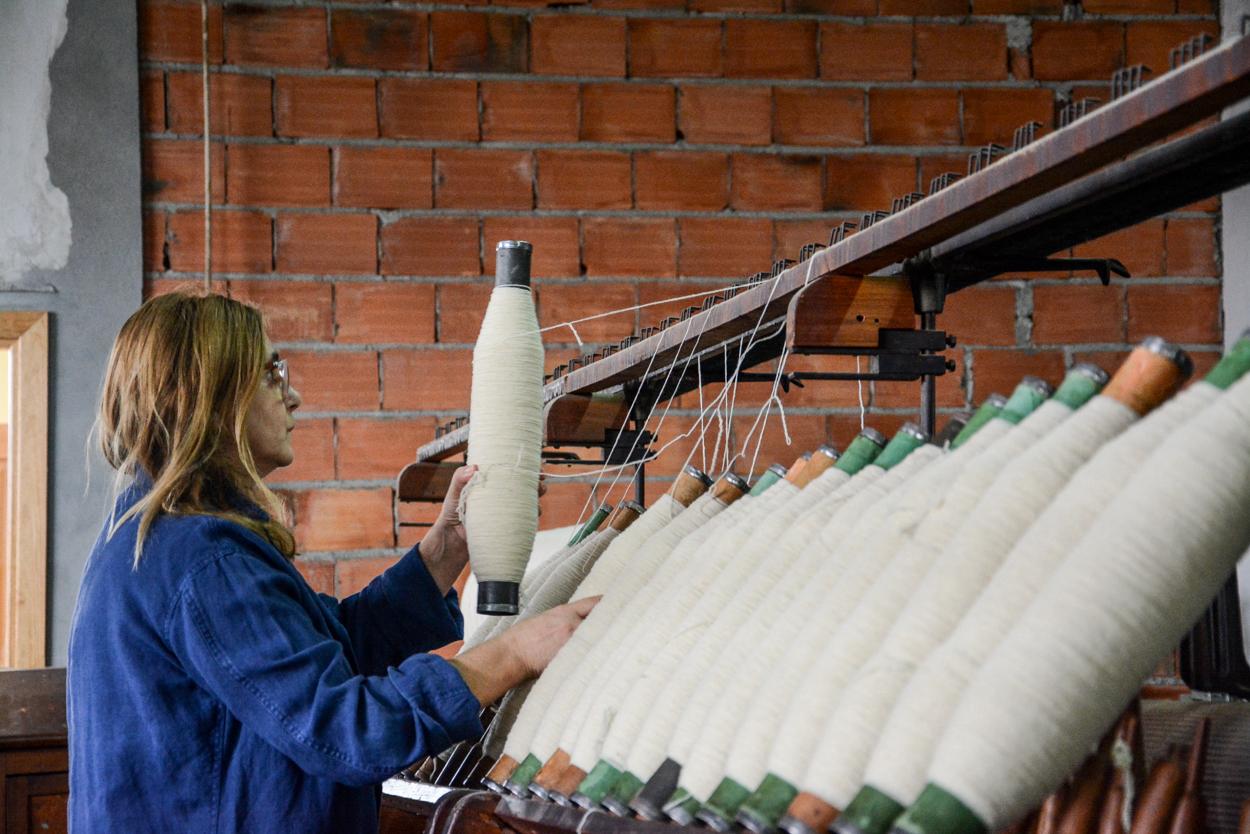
(616, 807)
(512, 263)
(498, 598)
(582, 801)
(714, 820)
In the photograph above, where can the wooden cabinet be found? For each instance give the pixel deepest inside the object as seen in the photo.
(34, 761)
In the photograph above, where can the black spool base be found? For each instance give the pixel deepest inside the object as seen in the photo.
(498, 598)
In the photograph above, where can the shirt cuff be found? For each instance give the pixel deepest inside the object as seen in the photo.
(408, 586)
(436, 690)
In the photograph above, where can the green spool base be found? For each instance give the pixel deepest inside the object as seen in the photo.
(767, 805)
(870, 812)
(727, 798)
(682, 808)
(525, 772)
(937, 812)
(597, 783)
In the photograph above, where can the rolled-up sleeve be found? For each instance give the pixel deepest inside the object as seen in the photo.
(239, 626)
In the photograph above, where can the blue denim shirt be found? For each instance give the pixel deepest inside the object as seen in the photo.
(212, 690)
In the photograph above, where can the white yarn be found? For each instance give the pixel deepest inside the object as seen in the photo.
(820, 606)
(1015, 497)
(619, 554)
(654, 613)
(1132, 587)
(709, 720)
(721, 652)
(906, 747)
(537, 727)
(500, 502)
(649, 713)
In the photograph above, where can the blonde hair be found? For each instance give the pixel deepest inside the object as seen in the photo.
(180, 380)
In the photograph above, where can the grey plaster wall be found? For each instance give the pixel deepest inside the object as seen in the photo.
(94, 158)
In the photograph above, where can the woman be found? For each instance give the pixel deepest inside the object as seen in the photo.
(210, 689)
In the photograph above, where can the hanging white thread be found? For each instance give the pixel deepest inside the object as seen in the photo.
(500, 502)
(1136, 582)
(859, 384)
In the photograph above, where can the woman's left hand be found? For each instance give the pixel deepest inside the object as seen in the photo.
(445, 549)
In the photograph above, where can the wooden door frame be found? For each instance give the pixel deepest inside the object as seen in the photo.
(24, 565)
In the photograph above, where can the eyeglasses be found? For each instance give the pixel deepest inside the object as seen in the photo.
(278, 375)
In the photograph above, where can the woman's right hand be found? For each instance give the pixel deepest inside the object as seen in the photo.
(537, 640)
(521, 652)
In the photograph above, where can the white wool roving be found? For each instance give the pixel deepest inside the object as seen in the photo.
(647, 716)
(558, 687)
(618, 555)
(899, 763)
(745, 654)
(710, 720)
(986, 509)
(682, 580)
(1136, 582)
(500, 502)
(920, 521)
(878, 539)
(817, 610)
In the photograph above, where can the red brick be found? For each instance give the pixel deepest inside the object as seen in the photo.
(680, 180)
(774, 182)
(334, 381)
(483, 179)
(789, 236)
(239, 105)
(1150, 41)
(964, 52)
(428, 108)
(326, 106)
(1071, 50)
(460, 311)
(583, 180)
(313, 444)
(1207, 7)
(844, 8)
(295, 311)
(523, 111)
(628, 246)
(1032, 8)
(726, 115)
(477, 42)
(345, 519)
(671, 5)
(659, 298)
(563, 504)
(1191, 247)
(1139, 247)
(154, 241)
(415, 512)
(674, 48)
(431, 246)
(933, 165)
(319, 575)
(770, 48)
(1179, 313)
(866, 183)
(273, 37)
(173, 171)
(152, 287)
(336, 244)
(671, 460)
(376, 449)
(767, 445)
(723, 246)
(352, 575)
(577, 45)
(992, 115)
(914, 116)
(383, 178)
(281, 175)
(173, 31)
(815, 116)
(383, 39)
(563, 302)
(383, 313)
(866, 52)
(1068, 314)
(1130, 7)
(951, 389)
(629, 113)
(152, 101)
(429, 380)
(983, 315)
(999, 371)
(924, 8)
(557, 252)
(722, 6)
(242, 241)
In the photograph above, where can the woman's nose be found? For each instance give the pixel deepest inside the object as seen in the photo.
(293, 399)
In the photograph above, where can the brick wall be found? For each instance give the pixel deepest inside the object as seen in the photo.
(367, 156)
